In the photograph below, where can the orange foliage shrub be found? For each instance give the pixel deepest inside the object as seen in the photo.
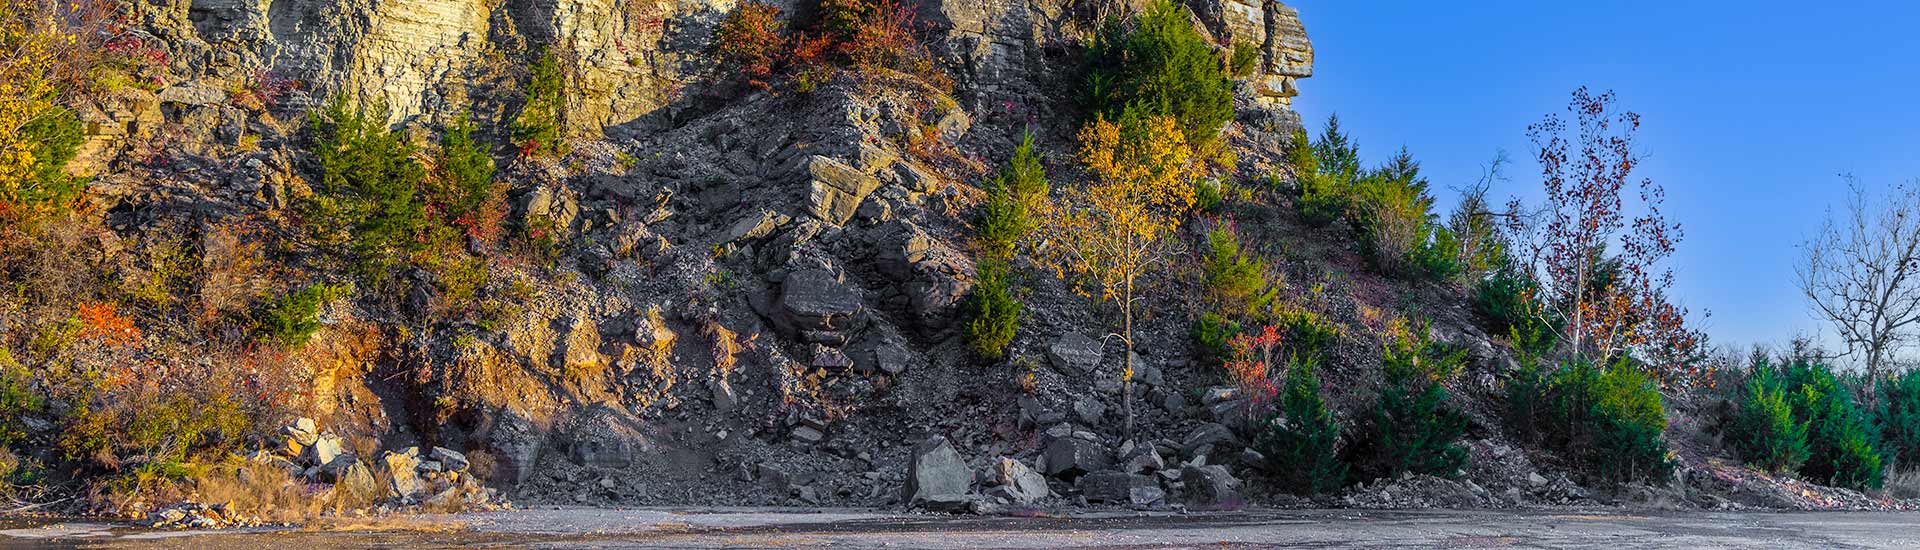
(102, 321)
(750, 41)
(1252, 360)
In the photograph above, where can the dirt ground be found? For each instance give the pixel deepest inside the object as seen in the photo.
(747, 528)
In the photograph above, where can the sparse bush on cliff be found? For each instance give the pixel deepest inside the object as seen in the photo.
(17, 399)
(871, 36)
(994, 312)
(1301, 440)
(540, 128)
(368, 198)
(1246, 59)
(1013, 196)
(295, 317)
(1210, 335)
(1411, 429)
(1236, 282)
(1308, 334)
(1156, 62)
(461, 194)
(1763, 429)
(750, 41)
(1327, 177)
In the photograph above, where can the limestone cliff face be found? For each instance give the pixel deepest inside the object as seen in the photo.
(430, 58)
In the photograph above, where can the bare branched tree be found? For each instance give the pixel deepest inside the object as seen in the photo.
(1862, 274)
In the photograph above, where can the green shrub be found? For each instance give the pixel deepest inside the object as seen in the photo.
(994, 312)
(1209, 194)
(17, 399)
(1337, 154)
(45, 190)
(369, 186)
(1012, 197)
(1392, 214)
(1328, 177)
(1236, 282)
(1301, 440)
(164, 428)
(463, 173)
(1300, 154)
(1763, 430)
(1839, 438)
(1508, 301)
(1161, 64)
(1608, 420)
(294, 318)
(1899, 419)
(1246, 59)
(1307, 333)
(1210, 335)
(1410, 429)
(540, 127)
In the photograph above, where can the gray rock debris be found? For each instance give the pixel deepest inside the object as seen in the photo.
(937, 477)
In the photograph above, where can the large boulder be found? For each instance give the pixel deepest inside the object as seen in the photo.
(1075, 352)
(936, 474)
(1210, 486)
(1204, 438)
(835, 190)
(1019, 484)
(815, 302)
(1117, 487)
(933, 276)
(516, 442)
(1070, 457)
(401, 481)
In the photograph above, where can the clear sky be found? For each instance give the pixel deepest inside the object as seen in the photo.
(1750, 110)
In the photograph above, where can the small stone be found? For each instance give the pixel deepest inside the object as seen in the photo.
(808, 434)
(451, 459)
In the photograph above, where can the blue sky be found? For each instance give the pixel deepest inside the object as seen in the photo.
(1750, 110)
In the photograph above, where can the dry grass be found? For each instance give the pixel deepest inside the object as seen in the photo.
(1903, 484)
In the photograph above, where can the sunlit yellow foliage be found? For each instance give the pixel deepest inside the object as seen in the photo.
(26, 91)
(1117, 226)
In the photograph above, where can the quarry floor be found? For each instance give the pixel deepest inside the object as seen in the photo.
(786, 528)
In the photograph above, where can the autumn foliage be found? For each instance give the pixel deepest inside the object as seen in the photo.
(1611, 305)
(1253, 359)
(1118, 226)
(755, 46)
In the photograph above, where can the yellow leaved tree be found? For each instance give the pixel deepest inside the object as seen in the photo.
(1111, 231)
(37, 136)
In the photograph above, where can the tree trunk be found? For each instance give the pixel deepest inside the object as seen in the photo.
(1126, 375)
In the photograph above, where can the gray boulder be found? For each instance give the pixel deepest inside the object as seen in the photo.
(1069, 458)
(1021, 485)
(815, 300)
(1113, 487)
(1074, 351)
(401, 481)
(936, 476)
(1205, 437)
(1210, 486)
